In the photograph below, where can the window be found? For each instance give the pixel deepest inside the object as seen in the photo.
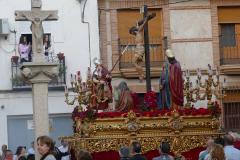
(127, 19)
(232, 116)
(228, 38)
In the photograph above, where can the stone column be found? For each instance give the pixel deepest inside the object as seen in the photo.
(40, 74)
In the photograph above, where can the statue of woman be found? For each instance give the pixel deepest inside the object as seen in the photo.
(123, 98)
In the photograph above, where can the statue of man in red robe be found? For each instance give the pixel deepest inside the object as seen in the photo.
(102, 79)
(171, 83)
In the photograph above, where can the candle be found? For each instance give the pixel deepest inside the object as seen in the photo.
(217, 73)
(79, 78)
(66, 89)
(187, 73)
(199, 72)
(197, 83)
(71, 78)
(89, 73)
(209, 69)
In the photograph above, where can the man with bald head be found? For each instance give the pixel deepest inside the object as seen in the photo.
(230, 151)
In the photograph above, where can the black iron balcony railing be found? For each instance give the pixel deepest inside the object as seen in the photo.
(229, 49)
(127, 59)
(19, 83)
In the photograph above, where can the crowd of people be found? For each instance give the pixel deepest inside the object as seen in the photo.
(220, 148)
(48, 151)
(45, 147)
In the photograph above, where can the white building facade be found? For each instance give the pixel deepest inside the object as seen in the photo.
(75, 35)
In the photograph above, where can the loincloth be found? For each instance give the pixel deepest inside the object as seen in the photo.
(139, 53)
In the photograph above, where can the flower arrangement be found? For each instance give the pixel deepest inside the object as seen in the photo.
(150, 100)
(91, 115)
(215, 109)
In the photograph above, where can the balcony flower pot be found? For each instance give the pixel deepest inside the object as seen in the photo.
(60, 56)
(15, 59)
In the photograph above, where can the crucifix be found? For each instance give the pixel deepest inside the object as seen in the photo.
(140, 31)
(36, 16)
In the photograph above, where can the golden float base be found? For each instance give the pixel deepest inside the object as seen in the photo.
(183, 132)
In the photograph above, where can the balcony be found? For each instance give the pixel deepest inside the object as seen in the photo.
(229, 49)
(18, 82)
(126, 65)
(230, 53)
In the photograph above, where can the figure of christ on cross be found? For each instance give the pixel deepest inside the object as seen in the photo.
(138, 32)
(36, 16)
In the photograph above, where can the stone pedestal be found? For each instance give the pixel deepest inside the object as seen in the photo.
(40, 74)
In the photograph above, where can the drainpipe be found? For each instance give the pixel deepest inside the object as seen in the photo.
(88, 24)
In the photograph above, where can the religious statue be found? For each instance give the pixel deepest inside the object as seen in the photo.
(37, 30)
(137, 31)
(102, 85)
(171, 83)
(123, 98)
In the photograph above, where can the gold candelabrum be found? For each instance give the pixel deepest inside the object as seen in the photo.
(202, 90)
(86, 93)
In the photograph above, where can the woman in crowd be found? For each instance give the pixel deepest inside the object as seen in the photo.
(123, 97)
(45, 147)
(24, 49)
(217, 153)
(20, 153)
(46, 46)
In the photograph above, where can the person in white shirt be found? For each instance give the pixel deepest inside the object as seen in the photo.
(31, 150)
(205, 154)
(64, 148)
(231, 153)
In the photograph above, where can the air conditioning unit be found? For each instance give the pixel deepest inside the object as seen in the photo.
(4, 26)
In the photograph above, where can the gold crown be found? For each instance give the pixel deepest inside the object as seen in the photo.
(169, 53)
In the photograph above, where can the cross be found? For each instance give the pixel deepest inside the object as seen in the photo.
(144, 23)
(36, 16)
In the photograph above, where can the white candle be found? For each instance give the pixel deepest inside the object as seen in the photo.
(209, 69)
(217, 73)
(66, 89)
(79, 78)
(187, 73)
(199, 72)
(71, 78)
(197, 83)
